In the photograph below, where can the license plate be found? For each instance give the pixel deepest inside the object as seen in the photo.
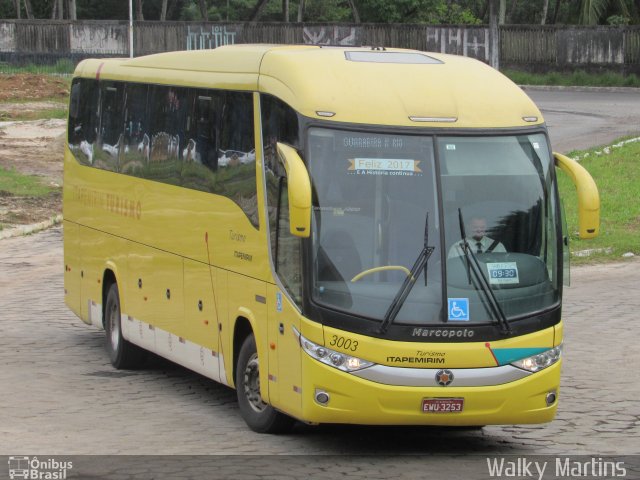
(442, 405)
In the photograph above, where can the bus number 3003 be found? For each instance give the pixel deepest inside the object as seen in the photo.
(345, 343)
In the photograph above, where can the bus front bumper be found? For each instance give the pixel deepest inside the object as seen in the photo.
(353, 400)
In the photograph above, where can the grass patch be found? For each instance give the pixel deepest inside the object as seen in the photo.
(18, 184)
(63, 66)
(616, 174)
(43, 114)
(578, 78)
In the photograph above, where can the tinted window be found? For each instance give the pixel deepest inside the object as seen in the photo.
(110, 141)
(279, 124)
(83, 119)
(237, 154)
(137, 142)
(194, 138)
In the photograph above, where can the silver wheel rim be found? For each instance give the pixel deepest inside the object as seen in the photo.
(114, 327)
(252, 384)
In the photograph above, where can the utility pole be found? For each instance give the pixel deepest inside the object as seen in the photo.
(494, 35)
(130, 28)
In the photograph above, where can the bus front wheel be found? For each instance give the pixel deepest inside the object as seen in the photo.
(259, 416)
(123, 354)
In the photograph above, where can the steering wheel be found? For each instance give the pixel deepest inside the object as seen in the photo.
(364, 273)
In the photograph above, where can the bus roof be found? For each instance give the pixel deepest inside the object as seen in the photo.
(345, 84)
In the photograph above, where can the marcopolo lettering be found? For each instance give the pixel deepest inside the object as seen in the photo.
(442, 333)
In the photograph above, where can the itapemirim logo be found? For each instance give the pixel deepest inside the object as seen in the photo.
(36, 469)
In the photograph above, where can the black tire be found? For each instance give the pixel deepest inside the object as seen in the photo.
(259, 416)
(123, 355)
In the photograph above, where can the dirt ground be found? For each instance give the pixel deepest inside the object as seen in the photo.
(31, 147)
(26, 87)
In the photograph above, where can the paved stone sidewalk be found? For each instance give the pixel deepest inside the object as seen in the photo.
(61, 396)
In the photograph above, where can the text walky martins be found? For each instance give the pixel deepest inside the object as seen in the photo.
(561, 467)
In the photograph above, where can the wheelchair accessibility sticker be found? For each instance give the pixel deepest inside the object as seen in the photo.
(459, 309)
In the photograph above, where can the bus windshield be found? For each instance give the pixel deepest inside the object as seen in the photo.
(492, 195)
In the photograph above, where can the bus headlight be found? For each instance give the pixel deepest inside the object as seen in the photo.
(538, 362)
(339, 360)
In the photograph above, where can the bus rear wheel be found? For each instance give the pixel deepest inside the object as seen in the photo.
(259, 416)
(123, 354)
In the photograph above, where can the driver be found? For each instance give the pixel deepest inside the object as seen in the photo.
(478, 242)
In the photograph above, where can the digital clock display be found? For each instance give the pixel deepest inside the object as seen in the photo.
(503, 273)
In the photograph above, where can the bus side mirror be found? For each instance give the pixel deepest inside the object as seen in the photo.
(299, 188)
(588, 196)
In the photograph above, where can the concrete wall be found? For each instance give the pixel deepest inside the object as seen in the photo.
(524, 46)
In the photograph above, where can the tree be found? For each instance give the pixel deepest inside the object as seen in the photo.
(203, 10)
(545, 9)
(356, 15)
(139, 14)
(57, 11)
(256, 10)
(28, 11)
(71, 8)
(555, 12)
(300, 11)
(163, 10)
(593, 12)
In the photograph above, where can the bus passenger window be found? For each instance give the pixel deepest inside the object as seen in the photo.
(111, 139)
(137, 143)
(83, 119)
(205, 126)
(237, 154)
(168, 114)
(288, 250)
(279, 124)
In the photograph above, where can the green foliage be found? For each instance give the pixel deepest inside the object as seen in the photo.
(618, 20)
(452, 14)
(104, 9)
(594, 12)
(16, 183)
(63, 66)
(590, 12)
(326, 11)
(577, 78)
(616, 175)
(419, 11)
(58, 113)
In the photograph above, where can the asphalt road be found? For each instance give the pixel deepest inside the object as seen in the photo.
(579, 120)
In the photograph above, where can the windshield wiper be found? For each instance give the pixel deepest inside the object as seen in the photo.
(407, 285)
(473, 265)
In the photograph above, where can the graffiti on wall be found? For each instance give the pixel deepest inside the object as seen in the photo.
(99, 39)
(201, 38)
(330, 35)
(459, 41)
(7, 37)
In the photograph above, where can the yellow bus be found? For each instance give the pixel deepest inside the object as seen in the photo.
(343, 235)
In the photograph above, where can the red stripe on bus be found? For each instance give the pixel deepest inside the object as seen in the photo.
(99, 69)
(488, 345)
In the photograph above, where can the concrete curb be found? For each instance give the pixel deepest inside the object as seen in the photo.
(33, 228)
(558, 88)
(606, 149)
